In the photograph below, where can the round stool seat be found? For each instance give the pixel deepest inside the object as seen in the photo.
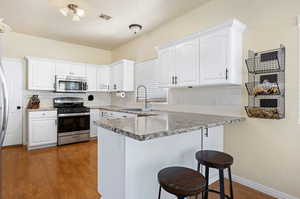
(214, 159)
(181, 181)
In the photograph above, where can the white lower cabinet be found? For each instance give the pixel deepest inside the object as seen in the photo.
(42, 129)
(95, 115)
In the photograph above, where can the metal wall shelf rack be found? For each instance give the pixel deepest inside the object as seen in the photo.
(266, 84)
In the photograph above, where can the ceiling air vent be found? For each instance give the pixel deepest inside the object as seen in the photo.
(105, 17)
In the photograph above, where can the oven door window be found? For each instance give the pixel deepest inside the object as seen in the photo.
(73, 123)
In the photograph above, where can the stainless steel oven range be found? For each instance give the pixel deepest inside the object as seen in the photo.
(73, 120)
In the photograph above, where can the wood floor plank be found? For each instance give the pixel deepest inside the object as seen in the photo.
(66, 172)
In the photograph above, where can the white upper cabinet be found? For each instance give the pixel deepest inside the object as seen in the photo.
(69, 68)
(179, 65)
(91, 74)
(103, 78)
(62, 68)
(119, 76)
(166, 67)
(41, 74)
(215, 57)
(122, 76)
(187, 63)
(78, 69)
(211, 57)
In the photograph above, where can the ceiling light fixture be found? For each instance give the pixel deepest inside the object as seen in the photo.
(74, 11)
(4, 28)
(135, 28)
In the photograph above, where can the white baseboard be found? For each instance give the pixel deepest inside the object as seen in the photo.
(262, 188)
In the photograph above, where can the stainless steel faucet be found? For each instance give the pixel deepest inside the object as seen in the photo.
(146, 108)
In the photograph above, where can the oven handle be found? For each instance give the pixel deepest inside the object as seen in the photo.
(72, 114)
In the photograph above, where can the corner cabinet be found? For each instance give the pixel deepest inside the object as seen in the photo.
(42, 129)
(122, 76)
(210, 57)
(41, 74)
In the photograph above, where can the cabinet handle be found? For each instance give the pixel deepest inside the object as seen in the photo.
(115, 86)
(226, 74)
(172, 79)
(206, 132)
(176, 79)
(55, 122)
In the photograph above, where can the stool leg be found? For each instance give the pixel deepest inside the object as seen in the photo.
(207, 181)
(221, 175)
(198, 168)
(159, 192)
(230, 183)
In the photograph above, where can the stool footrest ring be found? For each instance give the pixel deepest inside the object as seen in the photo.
(217, 192)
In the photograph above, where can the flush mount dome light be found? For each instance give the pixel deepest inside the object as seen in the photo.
(135, 28)
(74, 11)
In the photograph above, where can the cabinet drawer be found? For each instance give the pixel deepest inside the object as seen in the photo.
(43, 114)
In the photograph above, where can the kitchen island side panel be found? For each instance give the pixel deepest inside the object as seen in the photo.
(145, 159)
(111, 164)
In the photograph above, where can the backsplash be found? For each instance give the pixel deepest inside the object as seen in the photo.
(46, 98)
(211, 100)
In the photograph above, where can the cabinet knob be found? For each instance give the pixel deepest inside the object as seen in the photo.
(226, 73)
(206, 132)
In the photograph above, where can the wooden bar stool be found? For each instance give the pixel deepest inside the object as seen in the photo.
(217, 160)
(181, 182)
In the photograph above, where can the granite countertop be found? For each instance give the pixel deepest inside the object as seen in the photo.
(42, 109)
(163, 124)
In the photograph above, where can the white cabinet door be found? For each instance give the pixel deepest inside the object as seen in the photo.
(95, 116)
(77, 69)
(214, 55)
(62, 68)
(69, 68)
(103, 78)
(187, 63)
(118, 76)
(42, 132)
(91, 74)
(41, 74)
(166, 66)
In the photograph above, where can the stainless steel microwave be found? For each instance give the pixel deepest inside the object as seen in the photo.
(70, 84)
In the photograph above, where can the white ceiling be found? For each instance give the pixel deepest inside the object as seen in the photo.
(42, 18)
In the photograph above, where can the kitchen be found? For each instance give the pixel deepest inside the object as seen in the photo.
(194, 64)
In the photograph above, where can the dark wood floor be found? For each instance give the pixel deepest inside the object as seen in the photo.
(68, 172)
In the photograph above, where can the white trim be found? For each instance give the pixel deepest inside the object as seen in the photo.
(233, 23)
(262, 188)
(298, 24)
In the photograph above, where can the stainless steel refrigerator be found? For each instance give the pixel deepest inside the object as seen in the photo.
(3, 112)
